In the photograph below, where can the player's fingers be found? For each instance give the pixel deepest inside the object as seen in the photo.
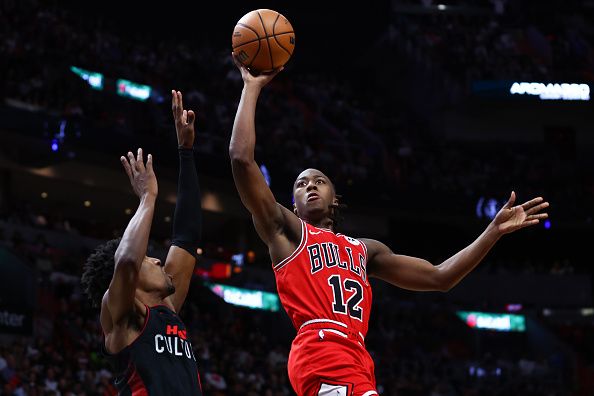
(540, 216)
(537, 208)
(239, 65)
(177, 107)
(132, 162)
(184, 117)
(280, 69)
(126, 166)
(528, 223)
(191, 117)
(181, 101)
(235, 60)
(149, 163)
(531, 203)
(139, 160)
(175, 104)
(511, 200)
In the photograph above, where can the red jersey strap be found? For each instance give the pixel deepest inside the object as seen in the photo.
(297, 251)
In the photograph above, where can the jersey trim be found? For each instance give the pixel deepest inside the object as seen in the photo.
(297, 251)
(365, 249)
(366, 259)
(136, 384)
(338, 332)
(309, 322)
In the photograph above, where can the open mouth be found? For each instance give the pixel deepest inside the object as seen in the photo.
(312, 197)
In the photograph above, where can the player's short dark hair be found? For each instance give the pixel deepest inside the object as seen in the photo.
(98, 271)
(337, 210)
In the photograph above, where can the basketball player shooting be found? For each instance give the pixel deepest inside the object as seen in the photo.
(322, 276)
(144, 338)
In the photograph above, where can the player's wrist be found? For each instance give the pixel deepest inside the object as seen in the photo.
(252, 87)
(148, 197)
(494, 231)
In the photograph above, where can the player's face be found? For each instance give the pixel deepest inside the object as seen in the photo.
(153, 278)
(313, 193)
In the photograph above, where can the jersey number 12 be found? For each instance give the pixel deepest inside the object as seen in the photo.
(352, 304)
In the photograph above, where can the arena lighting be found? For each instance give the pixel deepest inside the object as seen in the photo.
(552, 91)
(587, 311)
(488, 207)
(513, 307)
(238, 259)
(133, 90)
(94, 79)
(265, 173)
(254, 299)
(493, 321)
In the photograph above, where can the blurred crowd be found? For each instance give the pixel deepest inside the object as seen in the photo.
(504, 40)
(419, 349)
(316, 119)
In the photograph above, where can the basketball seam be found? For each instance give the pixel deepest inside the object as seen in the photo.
(251, 28)
(251, 41)
(267, 40)
(274, 35)
(259, 45)
(280, 45)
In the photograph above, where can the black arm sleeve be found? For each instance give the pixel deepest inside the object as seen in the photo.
(187, 221)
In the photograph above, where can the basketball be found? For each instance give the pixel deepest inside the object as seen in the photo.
(263, 40)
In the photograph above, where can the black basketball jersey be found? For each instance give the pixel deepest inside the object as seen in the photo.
(160, 361)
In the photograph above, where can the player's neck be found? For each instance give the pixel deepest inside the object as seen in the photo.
(323, 223)
(150, 299)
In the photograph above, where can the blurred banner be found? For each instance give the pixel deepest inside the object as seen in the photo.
(17, 294)
(531, 90)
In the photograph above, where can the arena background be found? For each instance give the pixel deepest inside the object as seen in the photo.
(425, 114)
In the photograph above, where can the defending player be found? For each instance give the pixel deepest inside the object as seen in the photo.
(145, 339)
(322, 277)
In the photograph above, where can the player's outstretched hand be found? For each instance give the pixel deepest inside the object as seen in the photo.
(142, 178)
(184, 121)
(512, 218)
(249, 79)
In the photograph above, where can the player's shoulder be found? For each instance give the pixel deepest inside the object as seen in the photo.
(136, 315)
(373, 246)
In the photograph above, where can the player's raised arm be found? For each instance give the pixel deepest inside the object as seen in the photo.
(416, 274)
(187, 221)
(119, 300)
(270, 218)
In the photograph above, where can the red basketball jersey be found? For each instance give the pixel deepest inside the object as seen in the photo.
(325, 279)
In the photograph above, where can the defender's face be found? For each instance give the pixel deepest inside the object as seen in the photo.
(152, 277)
(313, 193)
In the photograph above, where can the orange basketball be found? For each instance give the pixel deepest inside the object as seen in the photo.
(263, 40)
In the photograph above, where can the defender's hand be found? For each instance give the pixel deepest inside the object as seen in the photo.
(142, 178)
(184, 121)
